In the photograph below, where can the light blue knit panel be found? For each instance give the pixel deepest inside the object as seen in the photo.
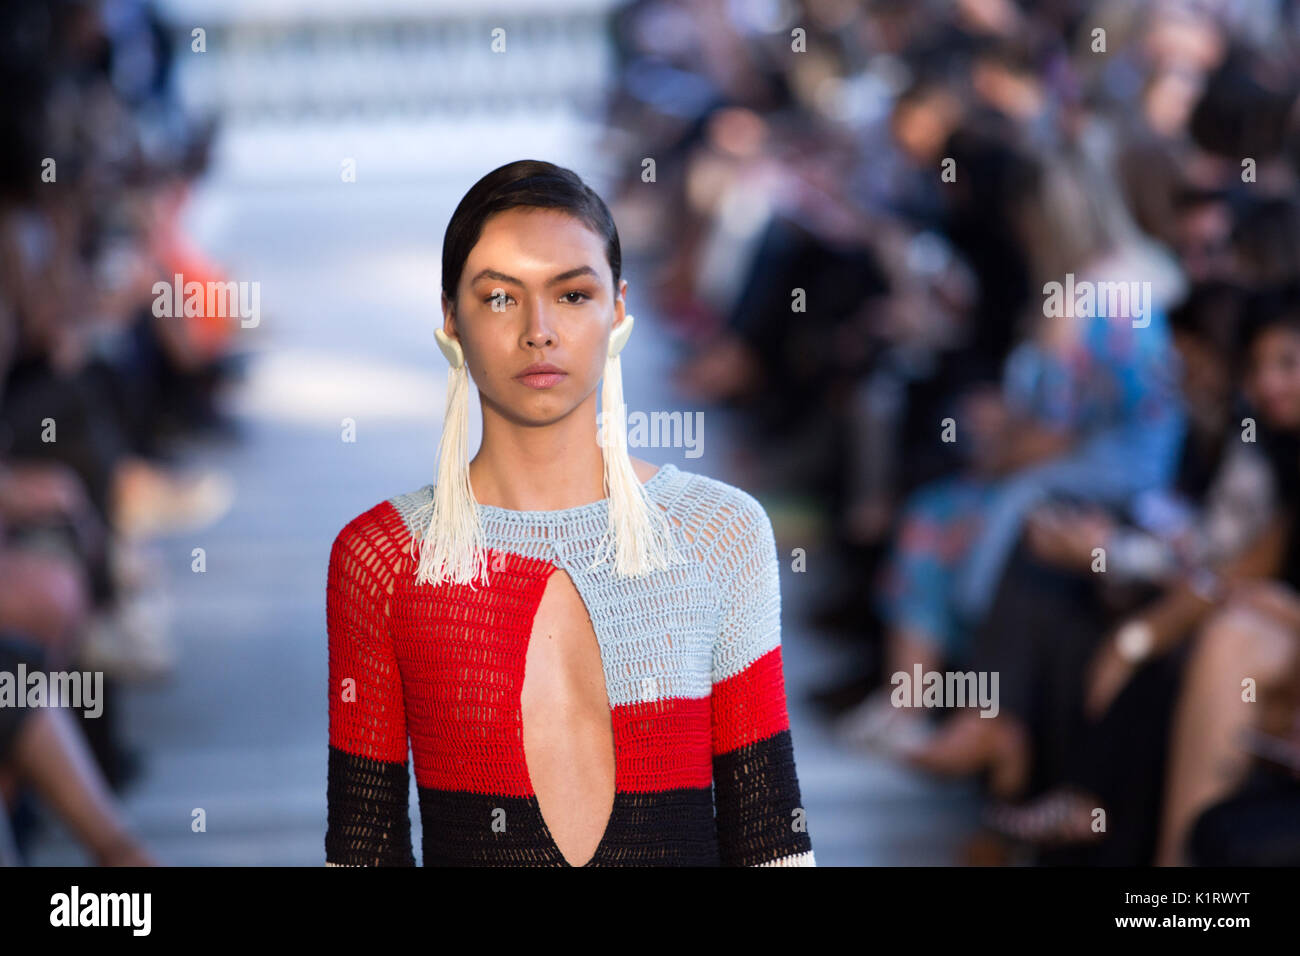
(670, 633)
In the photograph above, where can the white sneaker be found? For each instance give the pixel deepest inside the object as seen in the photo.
(876, 724)
(133, 642)
(132, 567)
(179, 505)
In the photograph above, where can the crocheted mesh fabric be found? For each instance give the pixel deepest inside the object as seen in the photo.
(704, 766)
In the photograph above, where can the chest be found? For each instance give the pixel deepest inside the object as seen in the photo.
(564, 674)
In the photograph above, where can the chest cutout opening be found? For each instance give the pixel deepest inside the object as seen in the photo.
(566, 723)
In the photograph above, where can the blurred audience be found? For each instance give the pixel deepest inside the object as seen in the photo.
(857, 213)
(98, 388)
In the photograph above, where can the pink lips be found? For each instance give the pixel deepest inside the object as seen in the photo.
(541, 380)
(541, 375)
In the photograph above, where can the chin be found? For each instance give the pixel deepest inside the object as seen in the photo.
(544, 411)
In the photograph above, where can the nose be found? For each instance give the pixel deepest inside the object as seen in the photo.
(538, 333)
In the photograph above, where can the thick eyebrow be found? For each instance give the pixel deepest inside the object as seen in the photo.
(562, 277)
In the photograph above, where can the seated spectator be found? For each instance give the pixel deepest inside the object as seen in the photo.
(42, 748)
(1253, 638)
(1087, 408)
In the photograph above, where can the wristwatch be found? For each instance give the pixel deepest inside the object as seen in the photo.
(1135, 640)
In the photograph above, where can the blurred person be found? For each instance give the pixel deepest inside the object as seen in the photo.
(760, 344)
(1255, 824)
(957, 273)
(1171, 647)
(977, 211)
(207, 359)
(1256, 633)
(814, 237)
(74, 271)
(1179, 100)
(1081, 723)
(67, 289)
(1264, 234)
(46, 595)
(1203, 232)
(52, 374)
(119, 496)
(42, 748)
(89, 607)
(1243, 113)
(1088, 407)
(901, 330)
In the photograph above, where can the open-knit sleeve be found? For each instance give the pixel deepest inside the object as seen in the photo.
(368, 823)
(759, 811)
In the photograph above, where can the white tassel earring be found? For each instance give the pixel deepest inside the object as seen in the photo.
(452, 547)
(638, 527)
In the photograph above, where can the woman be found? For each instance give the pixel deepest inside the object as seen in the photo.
(577, 645)
(1168, 729)
(1242, 688)
(1087, 408)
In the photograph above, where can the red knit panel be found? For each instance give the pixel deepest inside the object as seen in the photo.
(463, 652)
(662, 745)
(366, 717)
(750, 706)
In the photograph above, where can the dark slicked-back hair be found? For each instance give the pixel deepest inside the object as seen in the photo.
(525, 182)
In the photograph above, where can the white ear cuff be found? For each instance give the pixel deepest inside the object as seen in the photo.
(450, 348)
(618, 338)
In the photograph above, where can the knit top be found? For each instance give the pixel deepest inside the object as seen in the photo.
(691, 655)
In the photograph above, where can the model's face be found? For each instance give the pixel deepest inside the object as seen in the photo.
(1274, 380)
(536, 287)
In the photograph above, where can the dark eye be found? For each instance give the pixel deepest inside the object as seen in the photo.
(578, 293)
(498, 297)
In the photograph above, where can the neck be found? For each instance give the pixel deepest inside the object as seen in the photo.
(539, 467)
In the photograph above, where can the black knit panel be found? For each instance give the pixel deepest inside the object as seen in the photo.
(368, 821)
(666, 828)
(671, 828)
(758, 794)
